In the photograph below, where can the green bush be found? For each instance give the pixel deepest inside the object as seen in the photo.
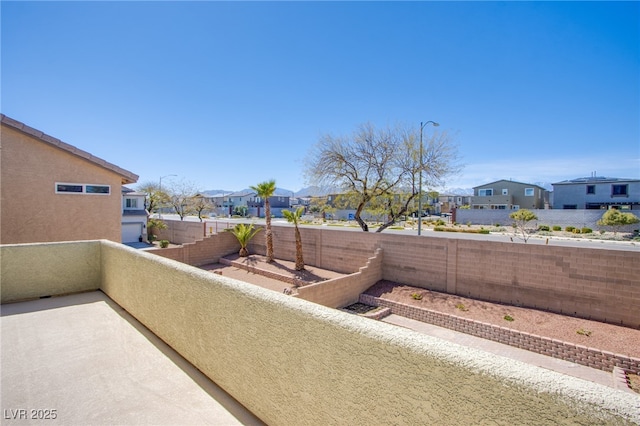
(164, 243)
(543, 228)
(575, 230)
(439, 228)
(586, 230)
(440, 222)
(569, 228)
(557, 228)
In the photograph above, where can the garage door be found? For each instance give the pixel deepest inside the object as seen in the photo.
(131, 232)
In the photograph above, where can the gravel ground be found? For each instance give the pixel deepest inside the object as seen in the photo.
(593, 334)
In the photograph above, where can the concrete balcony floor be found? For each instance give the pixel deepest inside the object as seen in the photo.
(86, 358)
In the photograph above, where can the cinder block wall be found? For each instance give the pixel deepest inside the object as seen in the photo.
(343, 291)
(589, 283)
(598, 284)
(203, 251)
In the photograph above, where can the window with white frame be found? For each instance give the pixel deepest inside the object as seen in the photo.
(82, 188)
(131, 203)
(529, 192)
(485, 192)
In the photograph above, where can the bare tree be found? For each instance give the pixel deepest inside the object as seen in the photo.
(379, 168)
(181, 198)
(200, 205)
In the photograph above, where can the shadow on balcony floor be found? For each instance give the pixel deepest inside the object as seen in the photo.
(86, 358)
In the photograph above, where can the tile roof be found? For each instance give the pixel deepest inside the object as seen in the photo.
(127, 176)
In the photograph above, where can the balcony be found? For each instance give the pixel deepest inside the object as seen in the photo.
(261, 353)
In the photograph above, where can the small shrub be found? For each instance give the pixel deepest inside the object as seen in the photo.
(164, 243)
(508, 318)
(569, 228)
(497, 225)
(584, 332)
(484, 231)
(543, 228)
(586, 230)
(462, 307)
(416, 296)
(575, 230)
(439, 228)
(557, 228)
(440, 222)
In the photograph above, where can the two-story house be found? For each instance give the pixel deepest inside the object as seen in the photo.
(134, 216)
(509, 195)
(53, 191)
(227, 204)
(449, 202)
(597, 192)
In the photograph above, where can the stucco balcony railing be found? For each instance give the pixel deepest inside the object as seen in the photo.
(290, 361)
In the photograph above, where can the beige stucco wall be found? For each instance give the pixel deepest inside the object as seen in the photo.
(31, 211)
(294, 362)
(31, 271)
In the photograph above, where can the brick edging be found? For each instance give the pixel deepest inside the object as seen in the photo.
(590, 357)
(280, 277)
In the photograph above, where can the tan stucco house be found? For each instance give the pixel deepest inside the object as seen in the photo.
(53, 191)
(509, 195)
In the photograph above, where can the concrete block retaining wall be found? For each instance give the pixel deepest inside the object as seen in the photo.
(591, 283)
(578, 354)
(343, 291)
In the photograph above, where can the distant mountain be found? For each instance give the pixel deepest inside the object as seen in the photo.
(217, 191)
(545, 185)
(278, 191)
(315, 191)
(458, 191)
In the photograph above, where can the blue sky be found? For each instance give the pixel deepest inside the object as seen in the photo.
(229, 94)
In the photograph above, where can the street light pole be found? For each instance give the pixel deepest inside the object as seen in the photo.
(420, 172)
(160, 191)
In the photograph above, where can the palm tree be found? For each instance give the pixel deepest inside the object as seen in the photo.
(264, 191)
(294, 217)
(244, 233)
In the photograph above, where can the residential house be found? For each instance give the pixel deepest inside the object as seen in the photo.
(509, 195)
(134, 216)
(597, 192)
(53, 191)
(448, 202)
(277, 203)
(227, 204)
